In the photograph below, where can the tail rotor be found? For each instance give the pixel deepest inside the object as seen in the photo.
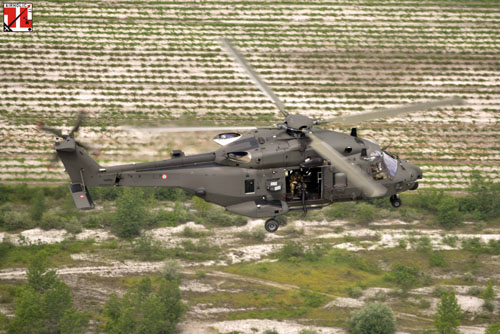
(59, 134)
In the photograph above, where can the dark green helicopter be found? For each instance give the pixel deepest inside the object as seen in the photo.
(265, 172)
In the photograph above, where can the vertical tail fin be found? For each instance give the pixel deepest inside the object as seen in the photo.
(81, 168)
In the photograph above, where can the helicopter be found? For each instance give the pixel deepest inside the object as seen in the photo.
(264, 172)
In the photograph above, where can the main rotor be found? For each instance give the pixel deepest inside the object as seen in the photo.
(302, 125)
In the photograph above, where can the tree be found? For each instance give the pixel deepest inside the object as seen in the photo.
(145, 310)
(447, 318)
(45, 304)
(201, 205)
(447, 212)
(374, 318)
(131, 214)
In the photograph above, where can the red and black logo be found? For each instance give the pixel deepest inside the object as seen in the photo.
(17, 17)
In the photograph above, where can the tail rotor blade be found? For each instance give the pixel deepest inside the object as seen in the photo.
(78, 122)
(54, 131)
(354, 174)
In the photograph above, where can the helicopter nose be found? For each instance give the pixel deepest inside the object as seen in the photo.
(418, 172)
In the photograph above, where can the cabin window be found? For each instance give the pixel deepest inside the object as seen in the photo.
(249, 186)
(244, 157)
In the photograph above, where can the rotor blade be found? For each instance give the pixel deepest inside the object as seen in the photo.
(354, 174)
(240, 59)
(391, 112)
(78, 122)
(167, 129)
(54, 131)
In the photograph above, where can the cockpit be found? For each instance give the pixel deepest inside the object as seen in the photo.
(383, 164)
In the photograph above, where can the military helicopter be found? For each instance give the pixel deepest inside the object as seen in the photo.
(264, 172)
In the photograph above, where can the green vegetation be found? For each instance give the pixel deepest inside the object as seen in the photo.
(57, 253)
(488, 294)
(45, 304)
(146, 309)
(131, 213)
(373, 318)
(482, 202)
(334, 272)
(404, 276)
(493, 329)
(448, 314)
(38, 205)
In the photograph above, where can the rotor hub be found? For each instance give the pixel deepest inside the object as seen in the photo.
(298, 122)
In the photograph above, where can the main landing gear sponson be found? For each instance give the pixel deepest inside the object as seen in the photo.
(395, 201)
(271, 225)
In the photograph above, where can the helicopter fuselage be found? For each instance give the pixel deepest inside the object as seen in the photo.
(264, 173)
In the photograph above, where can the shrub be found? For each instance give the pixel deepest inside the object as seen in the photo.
(493, 329)
(316, 252)
(474, 291)
(365, 213)
(311, 298)
(16, 220)
(402, 243)
(51, 220)
(165, 218)
(73, 226)
(308, 331)
(145, 310)
(218, 217)
(188, 232)
(171, 270)
(354, 292)
(131, 214)
(148, 249)
(45, 304)
(474, 245)
(447, 318)
(271, 331)
(423, 244)
(338, 211)
(170, 194)
(437, 259)
(291, 250)
(38, 205)
(374, 318)
(256, 234)
(200, 205)
(353, 260)
(448, 214)
(405, 277)
(450, 240)
(105, 193)
(489, 293)
(482, 200)
(428, 200)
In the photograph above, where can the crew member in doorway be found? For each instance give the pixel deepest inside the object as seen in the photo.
(296, 181)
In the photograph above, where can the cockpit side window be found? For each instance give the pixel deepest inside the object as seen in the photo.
(390, 163)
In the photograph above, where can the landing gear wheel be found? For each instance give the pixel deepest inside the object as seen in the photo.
(271, 225)
(395, 201)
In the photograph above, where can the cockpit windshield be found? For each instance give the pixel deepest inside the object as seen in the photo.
(390, 163)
